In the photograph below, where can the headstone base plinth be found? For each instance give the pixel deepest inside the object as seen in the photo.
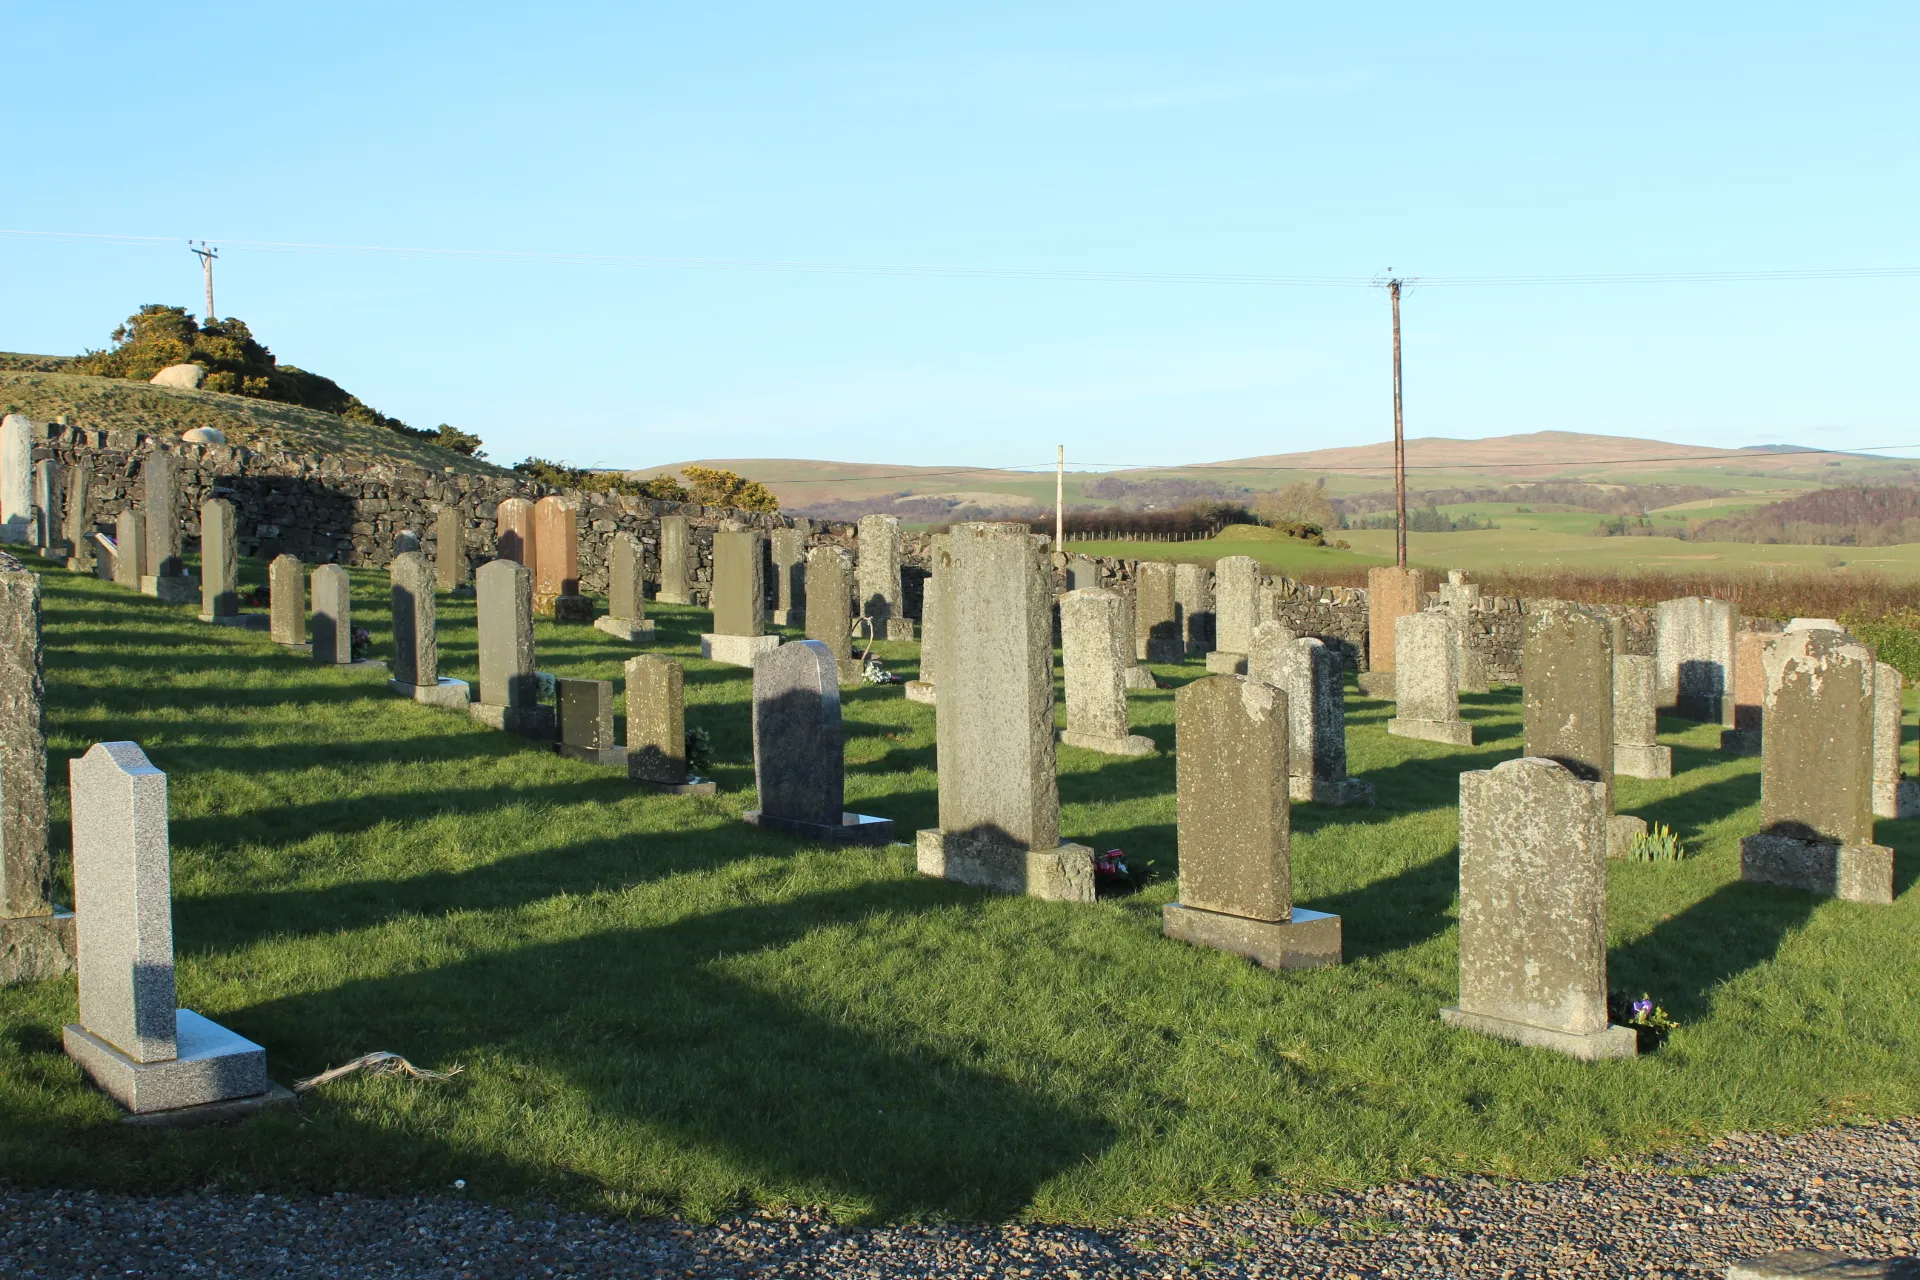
(212, 1112)
(673, 597)
(213, 1065)
(534, 722)
(244, 621)
(36, 947)
(630, 630)
(456, 695)
(919, 691)
(1060, 874)
(180, 590)
(789, 617)
(1647, 762)
(1853, 872)
(1222, 663)
(1310, 940)
(1133, 744)
(1735, 742)
(691, 787)
(1376, 684)
(739, 651)
(564, 608)
(1456, 733)
(1614, 1042)
(1139, 678)
(609, 757)
(853, 828)
(1622, 830)
(1344, 792)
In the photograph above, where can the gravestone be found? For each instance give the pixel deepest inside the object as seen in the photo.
(1309, 673)
(1462, 599)
(1567, 703)
(1392, 593)
(1637, 752)
(1234, 829)
(798, 752)
(789, 577)
(1749, 692)
(49, 518)
(584, 709)
(1427, 680)
(657, 729)
(556, 562)
(514, 532)
(830, 608)
(878, 578)
(1888, 686)
(1193, 598)
(1236, 603)
(332, 615)
(287, 601)
(132, 1040)
(416, 641)
(1082, 574)
(220, 567)
(1092, 645)
(16, 479)
(1135, 675)
(626, 618)
(509, 694)
(1816, 772)
(933, 626)
(675, 543)
(36, 937)
(449, 549)
(106, 556)
(78, 531)
(1533, 911)
(999, 802)
(166, 577)
(739, 600)
(129, 548)
(1693, 650)
(404, 541)
(1156, 615)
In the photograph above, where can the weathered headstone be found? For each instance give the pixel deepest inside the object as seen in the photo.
(132, 1040)
(626, 618)
(48, 518)
(1462, 599)
(556, 562)
(1533, 911)
(675, 549)
(1235, 827)
(1392, 593)
(78, 530)
(1816, 772)
(514, 532)
(1749, 692)
(798, 752)
(1082, 574)
(449, 548)
(1888, 686)
(739, 600)
(166, 577)
(1156, 615)
(1427, 680)
(1567, 703)
(1309, 673)
(332, 630)
(1236, 603)
(16, 479)
(106, 556)
(830, 608)
(36, 938)
(287, 600)
(657, 728)
(130, 548)
(416, 641)
(1193, 594)
(219, 564)
(584, 709)
(1092, 645)
(789, 548)
(1135, 675)
(934, 625)
(509, 694)
(878, 576)
(1693, 650)
(1637, 752)
(999, 801)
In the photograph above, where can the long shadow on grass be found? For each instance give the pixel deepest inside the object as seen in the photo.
(1683, 958)
(1690, 812)
(649, 1024)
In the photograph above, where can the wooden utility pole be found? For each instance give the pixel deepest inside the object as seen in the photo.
(206, 257)
(1399, 439)
(1060, 498)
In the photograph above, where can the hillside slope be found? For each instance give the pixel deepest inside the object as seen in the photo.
(115, 404)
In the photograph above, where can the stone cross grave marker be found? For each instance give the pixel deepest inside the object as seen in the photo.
(798, 751)
(1427, 680)
(1092, 645)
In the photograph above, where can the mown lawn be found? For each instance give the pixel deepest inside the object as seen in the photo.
(659, 1009)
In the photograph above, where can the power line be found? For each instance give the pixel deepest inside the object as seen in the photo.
(1732, 455)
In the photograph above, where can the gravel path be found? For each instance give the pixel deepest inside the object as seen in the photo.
(1687, 1214)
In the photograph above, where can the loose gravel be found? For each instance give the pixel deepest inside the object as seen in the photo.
(1686, 1214)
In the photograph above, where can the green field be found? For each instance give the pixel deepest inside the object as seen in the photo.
(660, 1009)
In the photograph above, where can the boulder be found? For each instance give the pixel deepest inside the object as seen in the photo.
(187, 377)
(202, 435)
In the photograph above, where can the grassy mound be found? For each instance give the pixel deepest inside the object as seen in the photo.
(659, 1008)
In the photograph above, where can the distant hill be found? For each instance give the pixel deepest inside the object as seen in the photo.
(1854, 517)
(116, 404)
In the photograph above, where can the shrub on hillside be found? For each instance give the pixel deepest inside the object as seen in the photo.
(712, 487)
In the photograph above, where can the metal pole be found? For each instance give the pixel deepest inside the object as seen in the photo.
(1399, 440)
(1060, 498)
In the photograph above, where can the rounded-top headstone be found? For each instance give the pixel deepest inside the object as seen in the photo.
(187, 377)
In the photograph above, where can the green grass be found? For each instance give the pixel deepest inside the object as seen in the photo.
(660, 1009)
(1290, 556)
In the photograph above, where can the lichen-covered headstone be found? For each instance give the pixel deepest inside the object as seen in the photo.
(449, 548)
(1236, 602)
(675, 548)
(287, 600)
(332, 615)
(1392, 593)
(509, 693)
(656, 727)
(1694, 657)
(1309, 673)
(1427, 680)
(1193, 594)
(219, 561)
(1749, 692)
(1156, 615)
(626, 591)
(36, 939)
(416, 641)
(165, 577)
(130, 548)
(830, 607)
(1637, 752)
(934, 625)
(16, 478)
(1888, 686)
(739, 600)
(1092, 650)
(789, 551)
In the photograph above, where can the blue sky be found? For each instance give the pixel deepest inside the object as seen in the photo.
(1259, 139)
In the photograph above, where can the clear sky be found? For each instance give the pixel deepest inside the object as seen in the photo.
(1255, 139)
